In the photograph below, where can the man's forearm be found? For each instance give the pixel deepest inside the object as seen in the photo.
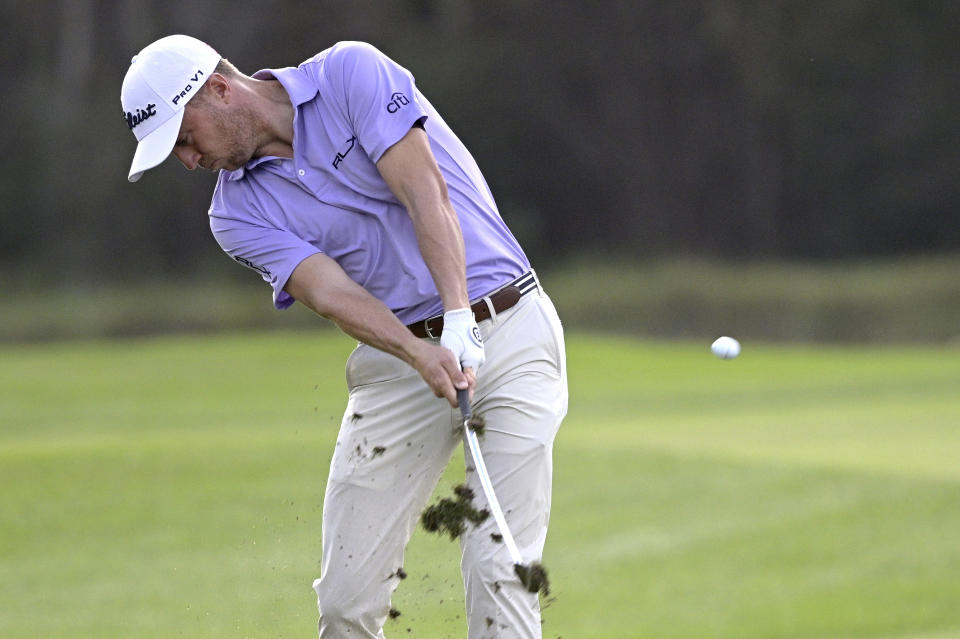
(322, 286)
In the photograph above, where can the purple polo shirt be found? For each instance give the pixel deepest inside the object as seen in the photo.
(351, 104)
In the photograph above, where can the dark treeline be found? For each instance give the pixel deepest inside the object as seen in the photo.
(730, 128)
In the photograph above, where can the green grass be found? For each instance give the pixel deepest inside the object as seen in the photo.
(172, 487)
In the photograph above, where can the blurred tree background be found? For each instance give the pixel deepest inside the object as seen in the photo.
(721, 129)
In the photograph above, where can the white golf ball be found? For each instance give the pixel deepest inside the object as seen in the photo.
(725, 347)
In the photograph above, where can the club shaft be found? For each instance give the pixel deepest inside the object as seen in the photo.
(492, 500)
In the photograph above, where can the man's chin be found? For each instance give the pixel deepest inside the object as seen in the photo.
(229, 165)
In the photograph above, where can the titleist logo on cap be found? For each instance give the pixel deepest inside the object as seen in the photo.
(141, 115)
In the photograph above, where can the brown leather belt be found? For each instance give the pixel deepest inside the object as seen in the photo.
(501, 300)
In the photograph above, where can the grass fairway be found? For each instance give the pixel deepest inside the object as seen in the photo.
(172, 487)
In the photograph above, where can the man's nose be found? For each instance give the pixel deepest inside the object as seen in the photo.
(188, 157)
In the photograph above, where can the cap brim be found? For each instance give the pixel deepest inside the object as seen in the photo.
(154, 149)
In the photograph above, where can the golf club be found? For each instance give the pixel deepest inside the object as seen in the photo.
(474, 444)
(533, 576)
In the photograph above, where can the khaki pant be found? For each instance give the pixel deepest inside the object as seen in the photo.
(395, 441)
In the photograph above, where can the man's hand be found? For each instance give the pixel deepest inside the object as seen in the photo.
(440, 370)
(461, 336)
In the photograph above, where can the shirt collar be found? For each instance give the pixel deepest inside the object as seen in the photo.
(298, 86)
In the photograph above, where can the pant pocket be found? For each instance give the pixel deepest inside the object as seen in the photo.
(368, 365)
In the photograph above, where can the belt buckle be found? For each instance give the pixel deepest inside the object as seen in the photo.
(426, 328)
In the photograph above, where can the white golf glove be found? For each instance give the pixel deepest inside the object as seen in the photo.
(462, 336)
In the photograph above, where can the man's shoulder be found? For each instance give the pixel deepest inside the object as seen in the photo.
(322, 65)
(342, 59)
(340, 51)
(348, 48)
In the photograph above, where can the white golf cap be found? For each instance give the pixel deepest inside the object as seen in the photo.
(161, 80)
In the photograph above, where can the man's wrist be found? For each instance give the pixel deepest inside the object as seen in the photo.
(458, 313)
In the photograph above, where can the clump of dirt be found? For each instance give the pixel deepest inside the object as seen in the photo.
(394, 613)
(451, 515)
(478, 425)
(400, 574)
(377, 451)
(464, 492)
(533, 576)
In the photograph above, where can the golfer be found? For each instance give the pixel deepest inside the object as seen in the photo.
(345, 190)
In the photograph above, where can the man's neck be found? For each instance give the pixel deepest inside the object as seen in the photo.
(277, 112)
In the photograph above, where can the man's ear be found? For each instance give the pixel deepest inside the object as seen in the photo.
(219, 87)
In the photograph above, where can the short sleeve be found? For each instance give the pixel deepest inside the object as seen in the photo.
(272, 252)
(380, 96)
